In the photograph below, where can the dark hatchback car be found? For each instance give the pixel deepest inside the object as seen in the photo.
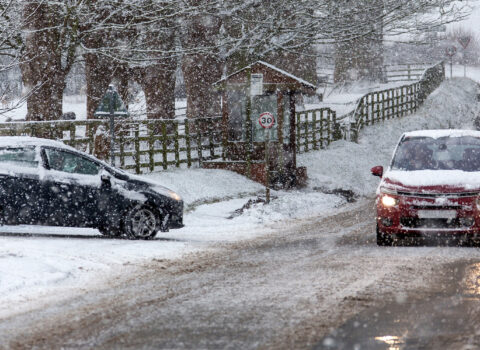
(45, 182)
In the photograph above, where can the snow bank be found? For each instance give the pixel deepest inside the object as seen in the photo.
(347, 165)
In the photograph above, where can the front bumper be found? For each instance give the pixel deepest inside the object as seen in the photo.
(407, 218)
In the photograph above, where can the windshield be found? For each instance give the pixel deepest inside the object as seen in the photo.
(444, 153)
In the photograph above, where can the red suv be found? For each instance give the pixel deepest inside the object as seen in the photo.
(431, 187)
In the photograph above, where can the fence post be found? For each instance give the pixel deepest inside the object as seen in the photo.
(137, 151)
(164, 146)
(298, 132)
(306, 133)
(151, 145)
(321, 126)
(199, 147)
(177, 146)
(211, 144)
(122, 149)
(314, 130)
(188, 143)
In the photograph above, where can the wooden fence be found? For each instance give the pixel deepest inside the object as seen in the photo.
(316, 129)
(147, 145)
(392, 73)
(141, 145)
(370, 109)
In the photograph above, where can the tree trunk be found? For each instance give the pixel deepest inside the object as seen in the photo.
(359, 52)
(201, 69)
(42, 73)
(99, 73)
(158, 84)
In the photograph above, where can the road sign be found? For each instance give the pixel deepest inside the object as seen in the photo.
(451, 51)
(111, 106)
(266, 120)
(464, 41)
(111, 103)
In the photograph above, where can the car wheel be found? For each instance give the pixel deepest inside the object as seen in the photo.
(383, 239)
(141, 222)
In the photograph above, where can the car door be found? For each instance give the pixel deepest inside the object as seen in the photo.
(72, 186)
(20, 196)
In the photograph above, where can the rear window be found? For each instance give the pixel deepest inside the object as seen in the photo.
(18, 156)
(444, 153)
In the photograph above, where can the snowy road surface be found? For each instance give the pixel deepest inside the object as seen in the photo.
(284, 290)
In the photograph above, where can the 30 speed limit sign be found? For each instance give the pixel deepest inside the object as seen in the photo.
(266, 120)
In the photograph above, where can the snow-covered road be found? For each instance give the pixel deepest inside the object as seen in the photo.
(284, 290)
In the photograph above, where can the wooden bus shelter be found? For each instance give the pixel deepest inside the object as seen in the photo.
(258, 113)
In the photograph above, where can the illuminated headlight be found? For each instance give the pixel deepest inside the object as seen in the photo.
(174, 195)
(388, 201)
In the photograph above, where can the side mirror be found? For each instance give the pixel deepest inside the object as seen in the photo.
(377, 171)
(106, 180)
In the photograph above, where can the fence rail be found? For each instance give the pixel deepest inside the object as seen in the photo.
(398, 72)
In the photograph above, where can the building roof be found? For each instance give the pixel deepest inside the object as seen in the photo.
(269, 66)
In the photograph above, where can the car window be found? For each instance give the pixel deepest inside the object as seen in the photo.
(444, 153)
(19, 156)
(70, 162)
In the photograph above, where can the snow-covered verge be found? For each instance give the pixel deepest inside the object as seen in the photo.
(51, 261)
(347, 165)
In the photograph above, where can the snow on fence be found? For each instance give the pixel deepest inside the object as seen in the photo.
(141, 145)
(370, 109)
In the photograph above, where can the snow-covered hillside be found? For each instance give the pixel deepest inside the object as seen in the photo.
(36, 261)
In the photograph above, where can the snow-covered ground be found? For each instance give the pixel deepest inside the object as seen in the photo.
(37, 261)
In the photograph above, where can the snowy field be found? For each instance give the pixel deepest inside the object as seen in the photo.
(40, 263)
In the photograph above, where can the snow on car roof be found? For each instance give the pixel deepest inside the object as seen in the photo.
(442, 133)
(16, 141)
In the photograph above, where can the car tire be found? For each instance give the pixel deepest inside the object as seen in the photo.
(141, 222)
(383, 240)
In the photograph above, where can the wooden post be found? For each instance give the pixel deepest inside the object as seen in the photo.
(151, 145)
(280, 136)
(322, 118)
(177, 146)
(248, 124)
(188, 143)
(164, 146)
(199, 146)
(306, 133)
(137, 151)
(293, 140)
(299, 136)
(122, 150)
(224, 124)
(267, 166)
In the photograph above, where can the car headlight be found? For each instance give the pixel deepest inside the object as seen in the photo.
(174, 196)
(388, 201)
